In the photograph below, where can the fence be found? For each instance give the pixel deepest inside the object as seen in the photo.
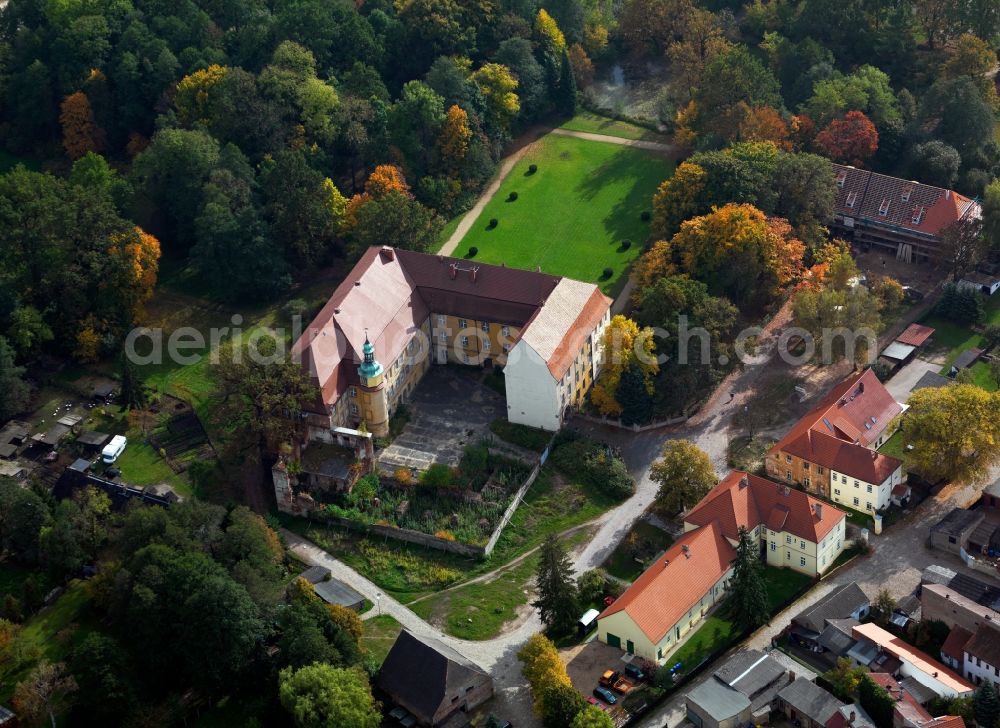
(609, 422)
(514, 504)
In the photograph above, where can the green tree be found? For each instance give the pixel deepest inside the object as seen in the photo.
(560, 705)
(99, 665)
(730, 79)
(566, 87)
(991, 214)
(133, 390)
(14, 391)
(685, 476)
(263, 392)
(749, 592)
(954, 111)
(954, 432)
(592, 717)
(878, 703)
(633, 396)
(934, 162)
(395, 216)
(557, 602)
(23, 515)
(883, 606)
(844, 678)
(321, 696)
(806, 191)
(986, 704)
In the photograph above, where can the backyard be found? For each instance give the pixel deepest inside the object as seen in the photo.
(588, 193)
(380, 632)
(643, 543)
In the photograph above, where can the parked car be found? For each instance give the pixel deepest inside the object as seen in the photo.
(635, 672)
(606, 695)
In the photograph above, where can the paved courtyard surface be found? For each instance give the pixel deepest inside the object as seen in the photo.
(449, 409)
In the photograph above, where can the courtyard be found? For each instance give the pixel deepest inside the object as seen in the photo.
(448, 410)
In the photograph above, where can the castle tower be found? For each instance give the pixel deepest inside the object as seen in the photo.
(374, 403)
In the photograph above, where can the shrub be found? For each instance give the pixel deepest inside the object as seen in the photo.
(493, 223)
(645, 216)
(882, 370)
(961, 305)
(473, 252)
(606, 273)
(403, 476)
(446, 535)
(437, 475)
(626, 244)
(532, 168)
(529, 438)
(511, 197)
(593, 463)
(592, 585)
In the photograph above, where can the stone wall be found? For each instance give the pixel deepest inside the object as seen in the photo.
(406, 534)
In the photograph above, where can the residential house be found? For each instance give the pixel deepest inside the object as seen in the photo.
(906, 219)
(953, 649)
(671, 596)
(807, 703)
(850, 716)
(845, 602)
(836, 640)
(399, 310)
(832, 450)
(985, 283)
(914, 665)
(980, 653)
(436, 684)
(952, 533)
(795, 529)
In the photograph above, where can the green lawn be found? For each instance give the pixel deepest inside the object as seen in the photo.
(598, 124)
(893, 447)
(652, 542)
(142, 465)
(479, 611)
(54, 632)
(530, 438)
(380, 632)
(572, 215)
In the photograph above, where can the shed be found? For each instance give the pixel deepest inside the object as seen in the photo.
(713, 704)
(930, 379)
(333, 591)
(12, 470)
(952, 532)
(588, 621)
(915, 335)
(898, 351)
(93, 439)
(8, 450)
(984, 283)
(53, 436)
(965, 360)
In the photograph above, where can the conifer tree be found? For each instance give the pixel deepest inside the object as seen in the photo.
(749, 600)
(557, 600)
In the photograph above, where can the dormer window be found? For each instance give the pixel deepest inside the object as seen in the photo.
(918, 214)
(841, 178)
(907, 191)
(883, 209)
(852, 197)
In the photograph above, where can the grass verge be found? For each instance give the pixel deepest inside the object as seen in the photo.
(590, 121)
(380, 633)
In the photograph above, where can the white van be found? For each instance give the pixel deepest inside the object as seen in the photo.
(114, 448)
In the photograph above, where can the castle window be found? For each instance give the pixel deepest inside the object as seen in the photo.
(486, 344)
(485, 326)
(463, 324)
(353, 391)
(505, 331)
(465, 341)
(354, 409)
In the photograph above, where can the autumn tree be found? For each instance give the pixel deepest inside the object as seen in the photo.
(192, 96)
(844, 678)
(975, 58)
(498, 87)
(42, 693)
(684, 474)
(677, 199)
(80, 133)
(700, 43)
(135, 257)
(954, 432)
(764, 124)
(543, 669)
(548, 35)
(622, 344)
(649, 26)
(583, 67)
(453, 143)
(852, 140)
(739, 253)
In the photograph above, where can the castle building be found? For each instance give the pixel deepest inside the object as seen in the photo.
(398, 312)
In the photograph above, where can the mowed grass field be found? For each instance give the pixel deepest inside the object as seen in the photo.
(571, 216)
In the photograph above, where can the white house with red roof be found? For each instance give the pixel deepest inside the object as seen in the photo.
(673, 595)
(832, 451)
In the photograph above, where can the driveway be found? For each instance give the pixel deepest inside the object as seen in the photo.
(902, 382)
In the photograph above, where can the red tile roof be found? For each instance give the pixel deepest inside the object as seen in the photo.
(899, 203)
(748, 500)
(888, 682)
(838, 431)
(954, 645)
(945, 721)
(896, 647)
(390, 292)
(912, 712)
(677, 581)
(915, 335)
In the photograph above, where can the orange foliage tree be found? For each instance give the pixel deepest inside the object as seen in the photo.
(136, 259)
(764, 124)
(583, 67)
(851, 140)
(678, 199)
(455, 137)
(739, 252)
(655, 263)
(80, 133)
(384, 179)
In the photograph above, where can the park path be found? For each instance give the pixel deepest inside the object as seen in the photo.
(517, 150)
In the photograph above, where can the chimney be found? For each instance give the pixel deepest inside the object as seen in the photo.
(388, 253)
(452, 271)
(357, 283)
(744, 481)
(666, 563)
(687, 551)
(819, 511)
(853, 716)
(791, 676)
(861, 387)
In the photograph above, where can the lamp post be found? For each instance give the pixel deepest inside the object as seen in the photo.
(378, 602)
